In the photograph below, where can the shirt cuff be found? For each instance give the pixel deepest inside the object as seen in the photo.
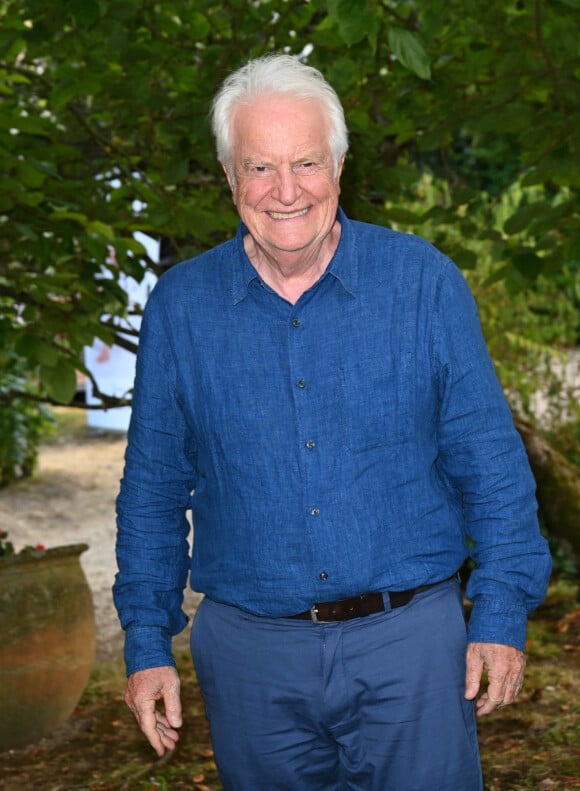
(506, 627)
(147, 647)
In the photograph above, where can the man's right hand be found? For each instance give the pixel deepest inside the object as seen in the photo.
(144, 689)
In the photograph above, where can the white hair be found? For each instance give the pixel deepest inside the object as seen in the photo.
(275, 74)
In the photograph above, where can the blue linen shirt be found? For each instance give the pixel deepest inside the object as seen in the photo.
(356, 441)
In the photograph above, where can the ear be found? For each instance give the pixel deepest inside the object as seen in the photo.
(231, 180)
(339, 174)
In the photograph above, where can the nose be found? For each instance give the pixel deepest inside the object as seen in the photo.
(287, 189)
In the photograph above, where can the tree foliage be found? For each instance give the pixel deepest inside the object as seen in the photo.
(104, 131)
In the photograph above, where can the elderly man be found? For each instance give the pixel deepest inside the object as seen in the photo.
(318, 392)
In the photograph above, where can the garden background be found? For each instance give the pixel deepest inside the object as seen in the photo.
(463, 120)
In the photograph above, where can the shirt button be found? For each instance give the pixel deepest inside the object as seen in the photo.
(295, 322)
(301, 383)
(310, 444)
(323, 575)
(315, 511)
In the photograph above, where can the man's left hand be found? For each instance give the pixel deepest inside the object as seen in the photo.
(504, 666)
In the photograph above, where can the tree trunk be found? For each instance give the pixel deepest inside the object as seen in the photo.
(558, 492)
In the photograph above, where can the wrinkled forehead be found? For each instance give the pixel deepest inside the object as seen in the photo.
(279, 123)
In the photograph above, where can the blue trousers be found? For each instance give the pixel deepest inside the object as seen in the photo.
(371, 704)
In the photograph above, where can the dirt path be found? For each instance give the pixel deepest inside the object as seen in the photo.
(71, 500)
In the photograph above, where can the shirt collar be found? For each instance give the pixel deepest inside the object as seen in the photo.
(243, 271)
(344, 263)
(343, 266)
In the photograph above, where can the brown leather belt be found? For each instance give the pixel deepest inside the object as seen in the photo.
(359, 606)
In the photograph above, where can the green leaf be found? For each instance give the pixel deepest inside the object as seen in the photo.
(355, 20)
(134, 246)
(45, 167)
(64, 214)
(177, 170)
(528, 264)
(524, 216)
(38, 350)
(63, 92)
(408, 50)
(25, 123)
(465, 259)
(85, 12)
(199, 26)
(496, 277)
(102, 229)
(29, 175)
(400, 215)
(59, 382)
(439, 215)
(14, 50)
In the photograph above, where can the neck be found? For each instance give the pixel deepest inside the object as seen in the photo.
(290, 274)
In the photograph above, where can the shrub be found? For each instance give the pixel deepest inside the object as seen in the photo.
(23, 423)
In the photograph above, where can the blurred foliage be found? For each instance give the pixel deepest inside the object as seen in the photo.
(22, 424)
(464, 121)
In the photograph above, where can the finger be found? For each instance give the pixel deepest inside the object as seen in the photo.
(513, 689)
(506, 682)
(147, 720)
(172, 703)
(499, 694)
(497, 688)
(473, 673)
(486, 704)
(167, 738)
(165, 728)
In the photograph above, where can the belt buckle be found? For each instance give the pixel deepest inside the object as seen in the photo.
(314, 614)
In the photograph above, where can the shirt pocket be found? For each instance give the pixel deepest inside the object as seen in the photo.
(378, 403)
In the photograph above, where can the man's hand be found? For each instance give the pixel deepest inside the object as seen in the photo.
(144, 689)
(505, 674)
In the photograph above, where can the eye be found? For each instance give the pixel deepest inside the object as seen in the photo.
(256, 169)
(306, 167)
(260, 171)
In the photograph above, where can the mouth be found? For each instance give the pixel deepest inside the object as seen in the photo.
(278, 215)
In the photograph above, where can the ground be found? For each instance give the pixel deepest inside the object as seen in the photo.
(531, 746)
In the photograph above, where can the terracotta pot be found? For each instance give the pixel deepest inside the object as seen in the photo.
(47, 642)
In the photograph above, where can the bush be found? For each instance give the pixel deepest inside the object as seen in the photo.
(23, 423)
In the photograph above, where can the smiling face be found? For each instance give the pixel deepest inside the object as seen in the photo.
(284, 186)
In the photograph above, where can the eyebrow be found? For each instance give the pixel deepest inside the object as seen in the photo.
(248, 162)
(317, 156)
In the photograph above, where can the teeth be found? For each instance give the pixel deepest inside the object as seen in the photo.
(276, 215)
